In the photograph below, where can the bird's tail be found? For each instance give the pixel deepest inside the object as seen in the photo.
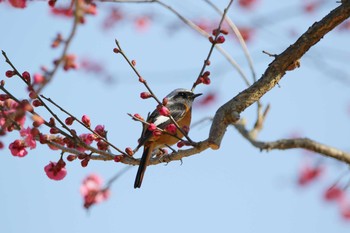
(146, 156)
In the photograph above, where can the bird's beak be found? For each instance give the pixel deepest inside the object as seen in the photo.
(196, 95)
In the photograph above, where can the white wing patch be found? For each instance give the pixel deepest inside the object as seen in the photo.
(161, 120)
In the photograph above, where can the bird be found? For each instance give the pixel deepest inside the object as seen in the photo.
(179, 103)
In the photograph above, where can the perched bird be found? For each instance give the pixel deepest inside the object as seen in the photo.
(179, 103)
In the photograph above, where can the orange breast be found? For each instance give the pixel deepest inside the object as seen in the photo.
(170, 140)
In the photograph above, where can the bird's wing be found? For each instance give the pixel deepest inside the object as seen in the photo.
(177, 111)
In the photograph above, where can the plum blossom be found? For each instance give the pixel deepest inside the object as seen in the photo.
(56, 171)
(92, 190)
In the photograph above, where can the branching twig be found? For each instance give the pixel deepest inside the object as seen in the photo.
(147, 123)
(142, 80)
(194, 27)
(50, 75)
(116, 176)
(81, 123)
(239, 37)
(213, 44)
(304, 143)
(38, 97)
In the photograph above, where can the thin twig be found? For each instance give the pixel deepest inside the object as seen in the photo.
(50, 75)
(157, 128)
(38, 97)
(239, 37)
(116, 176)
(151, 92)
(194, 27)
(80, 122)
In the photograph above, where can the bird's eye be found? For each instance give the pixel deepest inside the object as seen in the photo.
(182, 94)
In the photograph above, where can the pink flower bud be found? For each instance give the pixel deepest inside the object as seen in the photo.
(69, 120)
(33, 95)
(54, 131)
(100, 130)
(70, 158)
(206, 74)
(85, 162)
(38, 78)
(142, 80)
(180, 144)
(52, 3)
(220, 40)
(334, 194)
(138, 116)
(206, 81)
(152, 127)
(186, 129)
(145, 95)
(164, 111)
(156, 133)
(26, 76)
(129, 151)
(9, 73)
(224, 31)
(4, 97)
(117, 158)
(82, 156)
(199, 80)
(86, 120)
(37, 103)
(101, 145)
(211, 39)
(171, 128)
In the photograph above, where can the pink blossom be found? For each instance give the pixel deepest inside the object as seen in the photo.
(143, 23)
(18, 148)
(55, 171)
(247, 4)
(100, 130)
(28, 137)
(334, 193)
(92, 191)
(87, 138)
(18, 3)
(38, 78)
(208, 99)
(309, 173)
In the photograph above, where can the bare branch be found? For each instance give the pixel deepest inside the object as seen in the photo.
(285, 144)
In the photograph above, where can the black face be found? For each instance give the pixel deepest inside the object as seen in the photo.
(184, 95)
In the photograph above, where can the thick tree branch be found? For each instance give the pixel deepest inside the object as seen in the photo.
(274, 73)
(228, 113)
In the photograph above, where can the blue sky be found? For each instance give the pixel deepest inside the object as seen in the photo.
(235, 189)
